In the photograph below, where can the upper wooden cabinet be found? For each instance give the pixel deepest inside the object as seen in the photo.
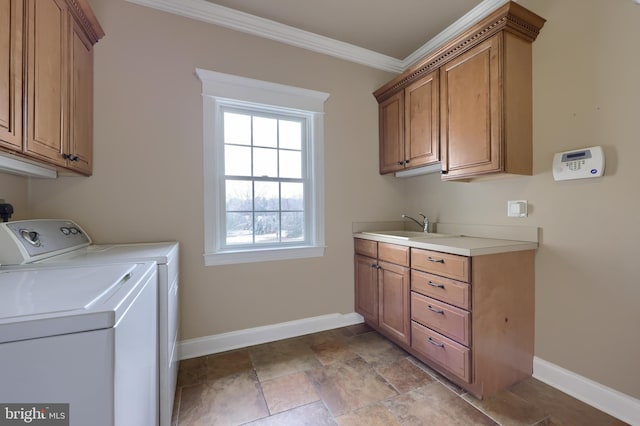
(57, 91)
(408, 123)
(483, 113)
(11, 60)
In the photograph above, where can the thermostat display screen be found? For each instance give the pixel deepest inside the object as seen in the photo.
(580, 155)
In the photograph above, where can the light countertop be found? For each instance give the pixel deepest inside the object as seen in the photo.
(469, 239)
(464, 246)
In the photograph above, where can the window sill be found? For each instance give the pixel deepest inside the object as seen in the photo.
(266, 255)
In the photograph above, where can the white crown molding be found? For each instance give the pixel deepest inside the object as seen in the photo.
(205, 11)
(477, 13)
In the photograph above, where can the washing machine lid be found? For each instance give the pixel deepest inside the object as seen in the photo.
(43, 301)
(162, 253)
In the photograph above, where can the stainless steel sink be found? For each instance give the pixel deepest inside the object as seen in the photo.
(408, 235)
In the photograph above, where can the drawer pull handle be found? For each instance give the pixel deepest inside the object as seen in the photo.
(433, 342)
(432, 284)
(433, 259)
(437, 311)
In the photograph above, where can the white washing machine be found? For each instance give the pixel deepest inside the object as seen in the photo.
(79, 336)
(52, 241)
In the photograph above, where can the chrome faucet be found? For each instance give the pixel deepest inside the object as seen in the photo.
(424, 224)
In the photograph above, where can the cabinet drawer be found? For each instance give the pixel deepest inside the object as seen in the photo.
(450, 291)
(447, 265)
(393, 253)
(366, 247)
(443, 318)
(452, 356)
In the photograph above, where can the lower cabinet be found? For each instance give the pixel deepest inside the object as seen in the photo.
(470, 318)
(382, 278)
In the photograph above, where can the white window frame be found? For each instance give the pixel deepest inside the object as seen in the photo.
(224, 90)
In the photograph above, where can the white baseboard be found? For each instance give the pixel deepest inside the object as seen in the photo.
(617, 404)
(217, 343)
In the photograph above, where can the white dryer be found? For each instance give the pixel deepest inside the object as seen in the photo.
(79, 336)
(63, 242)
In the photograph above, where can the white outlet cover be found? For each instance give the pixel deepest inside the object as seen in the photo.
(517, 208)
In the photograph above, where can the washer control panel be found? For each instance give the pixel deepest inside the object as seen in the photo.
(37, 239)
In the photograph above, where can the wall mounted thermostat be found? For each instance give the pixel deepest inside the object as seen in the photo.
(579, 164)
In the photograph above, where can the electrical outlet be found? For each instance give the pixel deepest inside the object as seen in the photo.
(517, 208)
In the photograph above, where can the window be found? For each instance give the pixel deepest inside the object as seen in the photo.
(263, 166)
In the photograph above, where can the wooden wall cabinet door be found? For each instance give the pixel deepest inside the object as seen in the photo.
(47, 83)
(391, 123)
(486, 114)
(366, 288)
(59, 84)
(421, 138)
(11, 34)
(409, 126)
(394, 301)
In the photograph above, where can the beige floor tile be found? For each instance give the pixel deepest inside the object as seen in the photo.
(192, 371)
(282, 358)
(332, 351)
(434, 404)
(315, 414)
(375, 349)
(372, 415)
(562, 408)
(232, 400)
(287, 392)
(349, 385)
(228, 363)
(404, 375)
(509, 409)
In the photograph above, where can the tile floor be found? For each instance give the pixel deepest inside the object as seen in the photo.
(353, 376)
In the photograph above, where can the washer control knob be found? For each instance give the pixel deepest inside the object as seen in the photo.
(32, 237)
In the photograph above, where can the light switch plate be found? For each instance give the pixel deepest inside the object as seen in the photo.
(517, 208)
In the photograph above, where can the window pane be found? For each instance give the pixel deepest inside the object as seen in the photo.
(267, 227)
(292, 196)
(239, 228)
(265, 132)
(238, 195)
(237, 128)
(265, 162)
(237, 160)
(291, 164)
(290, 134)
(292, 226)
(267, 196)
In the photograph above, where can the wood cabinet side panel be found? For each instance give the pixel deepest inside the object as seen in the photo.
(518, 105)
(81, 101)
(503, 319)
(11, 36)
